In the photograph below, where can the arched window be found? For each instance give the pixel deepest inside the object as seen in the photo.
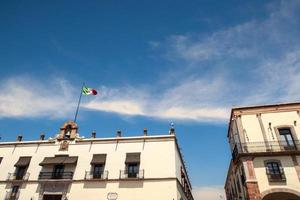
(274, 171)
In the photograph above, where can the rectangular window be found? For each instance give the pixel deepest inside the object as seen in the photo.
(14, 191)
(132, 170)
(98, 171)
(58, 171)
(20, 172)
(275, 171)
(286, 138)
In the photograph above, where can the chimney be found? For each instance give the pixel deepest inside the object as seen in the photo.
(172, 131)
(119, 133)
(19, 138)
(145, 132)
(93, 134)
(42, 136)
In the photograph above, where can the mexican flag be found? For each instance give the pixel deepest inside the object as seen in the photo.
(88, 91)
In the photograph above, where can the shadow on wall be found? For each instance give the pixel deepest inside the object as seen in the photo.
(96, 184)
(131, 184)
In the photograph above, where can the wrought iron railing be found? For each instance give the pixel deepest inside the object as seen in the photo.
(276, 176)
(268, 146)
(90, 175)
(56, 175)
(12, 195)
(125, 174)
(18, 177)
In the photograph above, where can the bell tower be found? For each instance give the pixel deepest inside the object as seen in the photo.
(68, 131)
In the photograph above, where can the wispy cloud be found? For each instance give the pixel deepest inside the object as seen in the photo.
(26, 97)
(209, 193)
(254, 62)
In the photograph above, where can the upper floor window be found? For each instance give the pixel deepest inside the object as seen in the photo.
(98, 164)
(274, 171)
(286, 138)
(58, 171)
(14, 192)
(21, 167)
(132, 166)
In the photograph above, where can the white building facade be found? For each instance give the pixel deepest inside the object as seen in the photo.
(71, 167)
(265, 147)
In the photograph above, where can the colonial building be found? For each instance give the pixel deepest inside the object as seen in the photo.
(72, 167)
(264, 141)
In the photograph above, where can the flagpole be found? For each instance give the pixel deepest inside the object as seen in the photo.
(79, 100)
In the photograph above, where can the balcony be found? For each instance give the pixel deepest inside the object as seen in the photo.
(125, 174)
(12, 195)
(92, 175)
(265, 147)
(18, 177)
(276, 177)
(56, 176)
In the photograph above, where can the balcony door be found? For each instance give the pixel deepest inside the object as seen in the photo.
(20, 172)
(133, 170)
(58, 171)
(286, 139)
(98, 171)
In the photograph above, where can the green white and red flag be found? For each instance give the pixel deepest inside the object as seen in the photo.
(88, 91)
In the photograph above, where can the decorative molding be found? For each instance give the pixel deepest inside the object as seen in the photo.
(275, 190)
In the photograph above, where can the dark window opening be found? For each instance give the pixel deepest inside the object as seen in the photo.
(98, 170)
(58, 171)
(20, 172)
(14, 192)
(132, 170)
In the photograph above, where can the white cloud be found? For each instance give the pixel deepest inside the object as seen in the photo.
(254, 62)
(209, 193)
(25, 97)
(121, 107)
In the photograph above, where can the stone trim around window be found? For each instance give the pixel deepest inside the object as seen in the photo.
(282, 174)
(291, 127)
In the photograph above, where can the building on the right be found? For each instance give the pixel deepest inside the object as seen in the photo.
(264, 142)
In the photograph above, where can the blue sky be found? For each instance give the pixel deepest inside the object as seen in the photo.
(152, 62)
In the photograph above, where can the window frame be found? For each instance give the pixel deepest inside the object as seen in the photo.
(293, 134)
(274, 175)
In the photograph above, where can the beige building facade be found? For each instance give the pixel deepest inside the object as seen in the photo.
(264, 142)
(72, 167)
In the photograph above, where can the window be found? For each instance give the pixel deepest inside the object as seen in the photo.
(97, 166)
(21, 167)
(286, 138)
(58, 171)
(133, 165)
(97, 170)
(132, 170)
(20, 172)
(14, 191)
(274, 171)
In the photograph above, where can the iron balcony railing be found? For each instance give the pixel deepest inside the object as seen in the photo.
(18, 177)
(56, 175)
(90, 175)
(269, 146)
(12, 195)
(277, 176)
(125, 174)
